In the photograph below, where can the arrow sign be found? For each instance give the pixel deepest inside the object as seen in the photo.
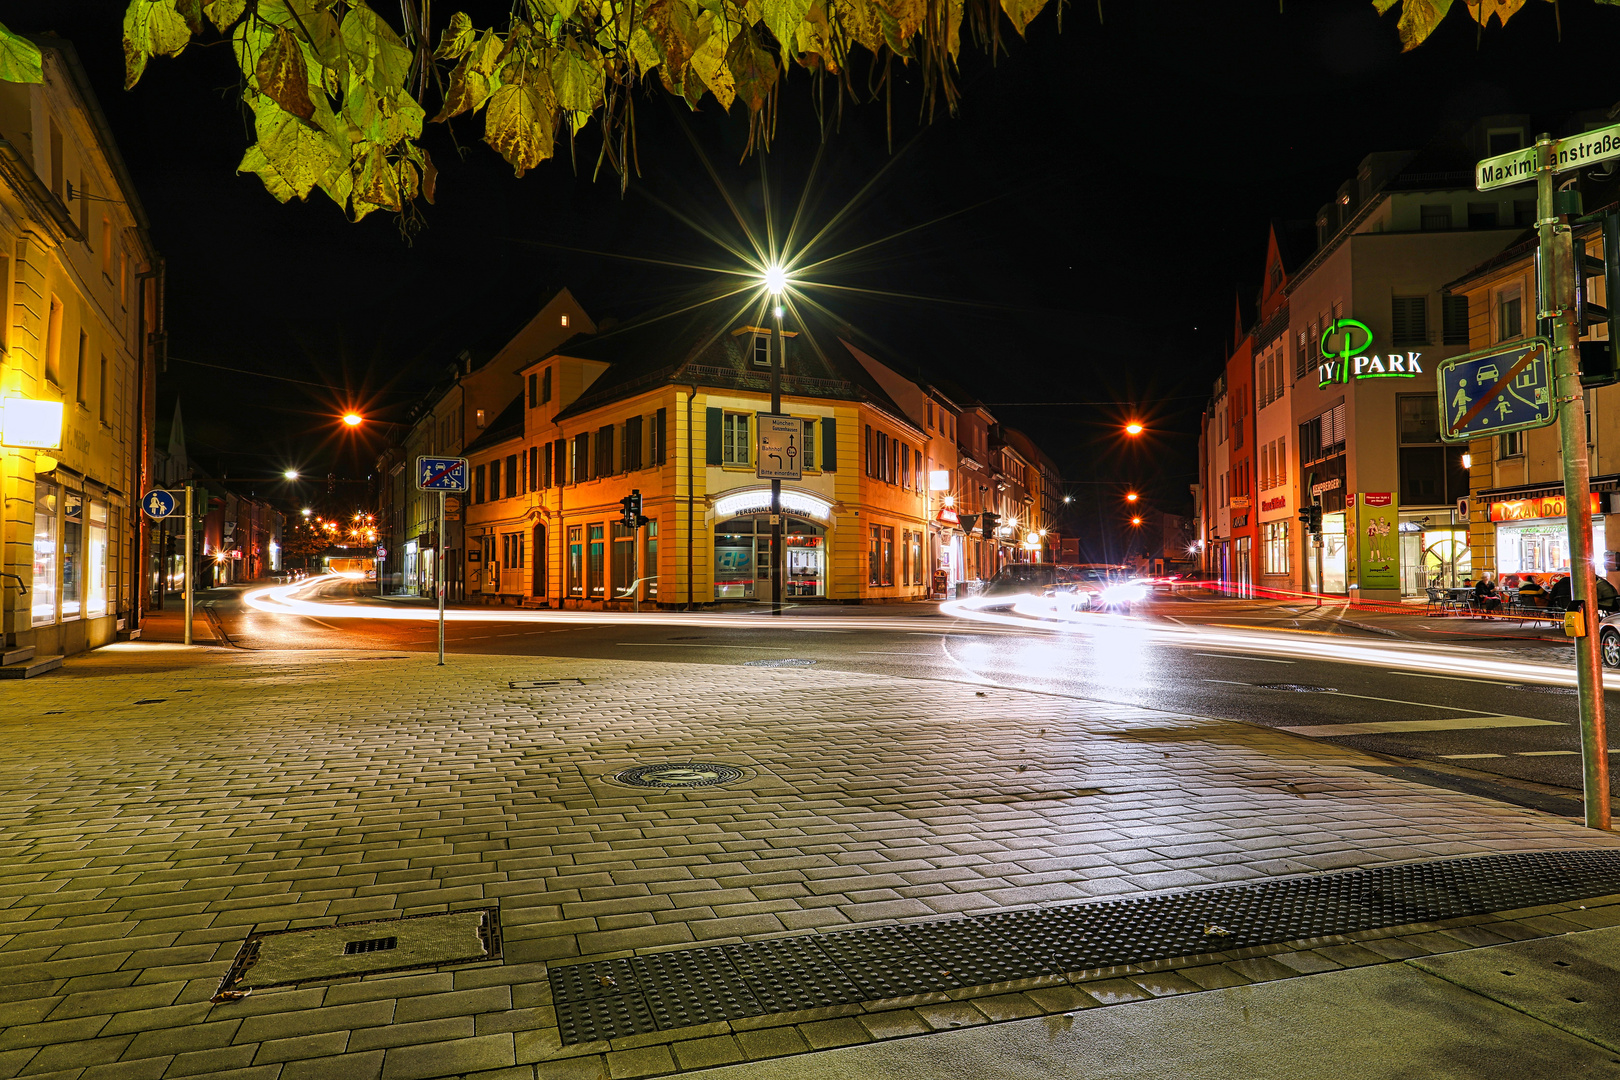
(158, 503)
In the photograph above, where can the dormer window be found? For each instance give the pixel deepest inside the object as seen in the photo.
(565, 320)
(479, 418)
(762, 350)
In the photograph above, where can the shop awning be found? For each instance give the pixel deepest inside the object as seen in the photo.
(1537, 491)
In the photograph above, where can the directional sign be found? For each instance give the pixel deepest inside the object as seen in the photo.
(441, 473)
(1519, 166)
(158, 503)
(1504, 388)
(781, 448)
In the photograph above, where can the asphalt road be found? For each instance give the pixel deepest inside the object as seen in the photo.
(1525, 734)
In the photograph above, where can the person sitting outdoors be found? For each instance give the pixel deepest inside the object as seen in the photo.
(1531, 594)
(1485, 598)
(1558, 598)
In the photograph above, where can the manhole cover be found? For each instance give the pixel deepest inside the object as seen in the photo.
(1563, 691)
(286, 957)
(679, 774)
(778, 663)
(545, 684)
(1297, 688)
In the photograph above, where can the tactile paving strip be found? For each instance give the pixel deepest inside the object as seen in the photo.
(661, 991)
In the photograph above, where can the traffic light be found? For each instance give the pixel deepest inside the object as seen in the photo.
(630, 506)
(1600, 365)
(987, 525)
(1311, 518)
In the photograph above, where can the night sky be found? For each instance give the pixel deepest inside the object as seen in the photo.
(1105, 194)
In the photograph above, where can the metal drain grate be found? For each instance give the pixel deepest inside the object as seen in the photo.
(287, 957)
(661, 991)
(1561, 691)
(1296, 688)
(679, 774)
(545, 684)
(779, 663)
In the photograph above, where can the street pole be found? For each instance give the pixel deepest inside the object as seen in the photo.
(776, 485)
(190, 560)
(438, 574)
(1555, 290)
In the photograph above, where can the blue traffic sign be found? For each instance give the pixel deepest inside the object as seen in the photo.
(158, 503)
(441, 473)
(1500, 389)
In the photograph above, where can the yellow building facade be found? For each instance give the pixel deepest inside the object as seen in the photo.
(673, 413)
(80, 297)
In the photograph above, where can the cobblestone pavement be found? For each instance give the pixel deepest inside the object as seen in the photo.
(158, 804)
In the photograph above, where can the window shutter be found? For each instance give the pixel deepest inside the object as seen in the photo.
(809, 459)
(534, 381)
(659, 432)
(604, 450)
(869, 460)
(632, 444)
(711, 430)
(829, 444)
(545, 466)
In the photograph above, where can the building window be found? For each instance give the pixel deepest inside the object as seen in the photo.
(1409, 322)
(95, 560)
(1454, 320)
(512, 550)
(495, 480)
(931, 416)
(511, 476)
(534, 468)
(478, 484)
(624, 561)
(1274, 547)
(544, 450)
(650, 571)
(916, 559)
(101, 393)
(534, 389)
(595, 560)
(888, 556)
(72, 554)
(53, 343)
(42, 594)
(576, 560)
(1482, 215)
(564, 321)
(1419, 418)
(81, 372)
(657, 438)
(905, 466)
(545, 384)
(1434, 218)
(1509, 318)
(762, 350)
(874, 558)
(579, 466)
(1511, 444)
(734, 439)
(807, 460)
(478, 417)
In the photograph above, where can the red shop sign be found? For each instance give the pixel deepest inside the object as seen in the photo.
(1546, 506)
(1376, 498)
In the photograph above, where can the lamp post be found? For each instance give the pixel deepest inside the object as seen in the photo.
(776, 282)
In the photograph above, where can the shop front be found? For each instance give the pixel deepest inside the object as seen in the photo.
(742, 546)
(1532, 536)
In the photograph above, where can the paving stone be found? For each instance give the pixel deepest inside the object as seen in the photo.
(78, 1055)
(704, 1053)
(1306, 963)
(366, 1066)
(893, 1023)
(447, 1058)
(592, 1067)
(1114, 991)
(1262, 969)
(1212, 976)
(304, 1046)
(212, 1062)
(771, 1042)
(1164, 983)
(642, 1061)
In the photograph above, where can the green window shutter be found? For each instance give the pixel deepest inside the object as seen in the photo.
(829, 444)
(711, 429)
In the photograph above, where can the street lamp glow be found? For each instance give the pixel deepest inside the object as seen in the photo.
(1136, 521)
(776, 279)
(305, 511)
(1133, 428)
(1132, 497)
(353, 419)
(290, 474)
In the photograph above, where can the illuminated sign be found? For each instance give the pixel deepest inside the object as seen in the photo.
(31, 425)
(1349, 360)
(759, 502)
(1275, 504)
(948, 516)
(1546, 506)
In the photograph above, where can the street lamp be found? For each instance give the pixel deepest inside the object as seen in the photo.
(290, 474)
(353, 419)
(1133, 428)
(1136, 521)
(775, 280)
(305, 511)
(1131, 497)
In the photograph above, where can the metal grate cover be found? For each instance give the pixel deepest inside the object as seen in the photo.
(661, 991)
(779, 663)
(679, 774)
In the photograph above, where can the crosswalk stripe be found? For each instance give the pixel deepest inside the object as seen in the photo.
(1391, 727)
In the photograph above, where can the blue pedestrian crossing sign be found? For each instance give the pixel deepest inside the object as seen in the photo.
(441, 473)
(158, 504)
(1507, 387)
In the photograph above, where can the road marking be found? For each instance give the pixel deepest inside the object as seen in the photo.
(1462, 757)
(1544, 753)
(686, 645)
(1451, 678)
(1393, 727)
(1240, 656)
(1227, 682)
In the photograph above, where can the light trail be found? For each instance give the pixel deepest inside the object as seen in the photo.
(1034, 615)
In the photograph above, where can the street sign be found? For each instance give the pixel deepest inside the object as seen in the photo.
(1496, 390)
(158, 504)
(441, 473)
(1519, 166)
(780, 448)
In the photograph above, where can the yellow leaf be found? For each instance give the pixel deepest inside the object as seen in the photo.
(1484, 11)
(908, 18)
(222, 13)
(378, 183)
(645, 50)
(1022, 12)
(953, 35)
(677, 35)
(283, 77)
(255, 162)
(752, 69)
(151, 28)
(783, 18)
(376, 54)
(577, 79)
(859, 21)
(457, 39)
(473, 80)
(518, 123)
(1418, 19)
(300, 153)
(709, 65)
(19, 59)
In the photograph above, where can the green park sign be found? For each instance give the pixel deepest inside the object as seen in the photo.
(1343, 359)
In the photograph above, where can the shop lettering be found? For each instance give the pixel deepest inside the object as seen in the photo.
(1546, 506)
(1275, 504)
(1343, 366)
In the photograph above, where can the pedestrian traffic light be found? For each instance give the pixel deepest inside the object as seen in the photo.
(987, 525)
(1600, 364)
(1311, 518)
(630, 506)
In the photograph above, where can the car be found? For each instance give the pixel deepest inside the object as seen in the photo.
(1489, 371)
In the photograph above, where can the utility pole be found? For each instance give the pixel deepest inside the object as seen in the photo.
(776, 485)
(1555, 288)
(190, 563)
(438, 574)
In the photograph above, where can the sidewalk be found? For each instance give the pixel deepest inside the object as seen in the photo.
(158, 804)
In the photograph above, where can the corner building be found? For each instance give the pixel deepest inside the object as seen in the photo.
(670, 409)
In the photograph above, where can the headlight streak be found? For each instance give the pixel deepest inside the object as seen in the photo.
(1026, 613)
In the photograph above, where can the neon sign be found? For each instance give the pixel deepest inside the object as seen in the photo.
(1350, 361)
